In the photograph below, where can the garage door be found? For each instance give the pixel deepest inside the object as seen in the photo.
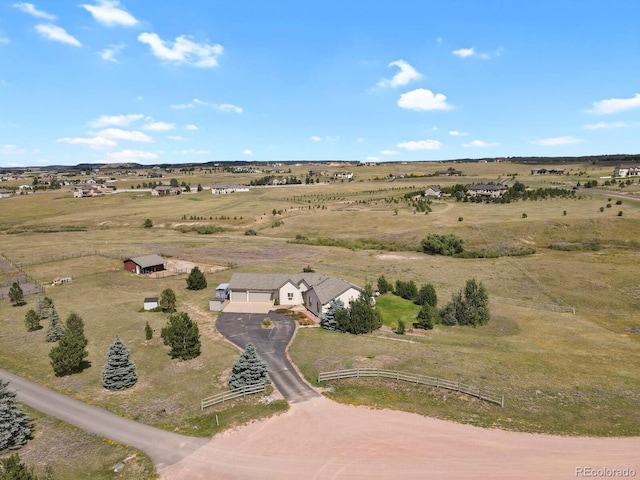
(258, 296)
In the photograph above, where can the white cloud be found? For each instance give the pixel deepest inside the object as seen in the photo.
(548, 142)
(315, 138)
(247, 152)
(177, 138)
(109, 53)
(195, 152)
(183, 50)
(116, 120)
(389, 152)
(372, 159)
(57, 34)
(127, 135)
(602, 125)
(455, 133)
(228, 107)
(480, 143)
(107, 13)
(182, 106)
(421, 145)
(191, 127)
(93, 142)
(403, 77)
(464, 52)
(13, 150)
(439, 40)
(32, 10)
(131, 156)
(423, 99)
(159, 126)
(360, 140)
(4, 40)
(615, 105)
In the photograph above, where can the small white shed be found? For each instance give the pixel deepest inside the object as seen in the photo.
(151, 302)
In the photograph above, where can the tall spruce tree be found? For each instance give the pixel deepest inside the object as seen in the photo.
(427, 317)
(249, 369)
(328, 319)
(363, 316)
(119, 372)
(55, 329)
(69, 355)
(44, 307)
(16, 295)
(182, 335)
(196, 280)
(15, 426)
(427, 295)
(168, 300)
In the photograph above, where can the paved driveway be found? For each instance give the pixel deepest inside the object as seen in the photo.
(271, 344)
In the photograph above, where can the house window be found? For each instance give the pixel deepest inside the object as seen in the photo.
(290, 295)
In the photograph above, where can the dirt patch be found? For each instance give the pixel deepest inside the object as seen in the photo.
(394, 256)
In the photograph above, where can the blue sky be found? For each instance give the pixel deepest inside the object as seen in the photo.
(196, 81)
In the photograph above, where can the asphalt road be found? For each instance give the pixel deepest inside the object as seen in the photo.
(164, 448)
(271, 344)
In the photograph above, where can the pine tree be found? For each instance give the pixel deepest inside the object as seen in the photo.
(363, 316)
(328, 319)
(476, 303)
(148, 331)
(427, 317)
(196, 280)
(15, 426)
(119, 372)
(69, 355)
(249, 369)
(44, 307)
(168, 300)
(32, 320)
(56, 329)
(16, 295)
(427, 295)
(11, 468)
(182, 335)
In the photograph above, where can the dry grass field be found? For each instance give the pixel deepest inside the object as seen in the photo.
(560, 373)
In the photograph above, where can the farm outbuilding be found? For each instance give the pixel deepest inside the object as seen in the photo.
(145, 264)
(151, 302)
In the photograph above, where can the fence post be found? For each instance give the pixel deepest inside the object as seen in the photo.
(502, 402)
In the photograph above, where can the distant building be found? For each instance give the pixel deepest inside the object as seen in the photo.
(150, 303)
(547, 171)
(5, 193)
(88, 189)
(491, 191)
(226, 189)
(433, 191)
(145, 264)
(343, 175)
(162, 191)
(449, 173)
(622, 171)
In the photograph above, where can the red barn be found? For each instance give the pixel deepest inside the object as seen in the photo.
(145, 264)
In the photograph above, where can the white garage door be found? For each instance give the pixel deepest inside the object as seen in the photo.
(258, 296)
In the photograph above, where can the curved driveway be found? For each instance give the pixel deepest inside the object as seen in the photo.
(164, 448)
(271, 344)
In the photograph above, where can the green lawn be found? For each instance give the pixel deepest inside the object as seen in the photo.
(394, 308)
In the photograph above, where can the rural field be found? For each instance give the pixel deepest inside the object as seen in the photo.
(562, 344)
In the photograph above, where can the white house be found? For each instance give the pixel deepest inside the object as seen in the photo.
(492, 191)
(313, 290)
(225, 189)
(432, 191)
(626, 171)
(347, 175)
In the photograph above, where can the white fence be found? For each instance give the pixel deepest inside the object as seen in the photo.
(230, 395)
(478, 392)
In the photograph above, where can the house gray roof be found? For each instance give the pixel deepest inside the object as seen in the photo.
(330, 288)
(489, 187)
(146, 261)
(151, 299)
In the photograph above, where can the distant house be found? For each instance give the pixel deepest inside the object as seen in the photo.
(145, 264)
(5, 193)
(313, 290)
(88, 189)
(449, 173)
(547, 171)
(225, 189)
(150, 303)
(162, 191)
(491, 191)
(433, 191)
(343, 175)
(622, 171)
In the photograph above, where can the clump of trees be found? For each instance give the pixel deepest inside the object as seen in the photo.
(442, 244)
(15, 425)
(182, 335)
(196, 280)
(469, 306)
(69, 355)
(360, 317)
(16, 295)
(248, 369)
(119, 372)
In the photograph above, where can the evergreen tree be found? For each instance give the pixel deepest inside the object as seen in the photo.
(407, 290)
(15, 426)
(56, 329)
(427, 317)
(119, 372)
(196, 280)
(427, 295)
(384, 285)
(16, 295)
(32, 320)
(44, 307)
(148, 331)
(328, 319)
(168, 300)
(453, 311)
(182, 335)
(69, 355)
(363, 316)
(476, 302)
(11, 468)
(249, 369)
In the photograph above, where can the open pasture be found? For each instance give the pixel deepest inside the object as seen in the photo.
(563, 373)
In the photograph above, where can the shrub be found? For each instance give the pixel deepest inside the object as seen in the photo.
(459, 219)
(524, 215)
(620, 213)
(148, 223)
(407, 290)
(447, 244)
(618, 202)
(250, 232)
(401, 328)
(384, 285)
(196, 280)
(308, 269)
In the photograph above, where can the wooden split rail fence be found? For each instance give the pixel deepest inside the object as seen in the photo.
(478, 392)
(230, 395)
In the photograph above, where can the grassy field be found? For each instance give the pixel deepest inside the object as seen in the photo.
(560, 372)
